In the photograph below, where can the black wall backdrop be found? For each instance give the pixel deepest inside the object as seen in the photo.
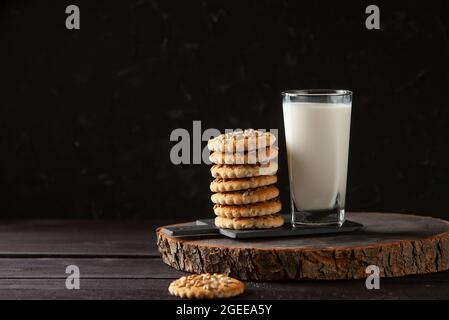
(86, 115)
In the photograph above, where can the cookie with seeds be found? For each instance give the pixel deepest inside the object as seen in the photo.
(264, 155)
(206, 286)
(264, 222)
(248, 210)
(226, 171)
(241, 140)
(226, 185)
(245, 196)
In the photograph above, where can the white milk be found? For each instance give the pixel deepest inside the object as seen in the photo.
(317, 138)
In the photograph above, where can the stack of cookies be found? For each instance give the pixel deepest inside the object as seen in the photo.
(245, 166)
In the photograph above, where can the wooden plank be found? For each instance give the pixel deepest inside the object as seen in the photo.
(78, 238)
(49, 268)
(129, 268)
(157, 289)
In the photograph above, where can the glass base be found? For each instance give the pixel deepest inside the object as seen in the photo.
(319, 217)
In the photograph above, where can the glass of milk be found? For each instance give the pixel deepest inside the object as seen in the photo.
(317, 124)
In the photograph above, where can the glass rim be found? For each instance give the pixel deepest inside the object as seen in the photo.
(316, 92)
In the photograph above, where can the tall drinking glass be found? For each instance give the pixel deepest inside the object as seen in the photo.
(317, 124)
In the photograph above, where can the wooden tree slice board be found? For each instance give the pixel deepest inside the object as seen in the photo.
(398, 244)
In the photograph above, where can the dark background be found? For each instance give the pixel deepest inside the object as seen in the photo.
(86, 115)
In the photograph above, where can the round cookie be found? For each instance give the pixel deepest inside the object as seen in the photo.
(241, 140)
(226, 185)
(243, 170)
(265, 222)
(206, 286)
(245, 196)
(248, 210)
(251, 157)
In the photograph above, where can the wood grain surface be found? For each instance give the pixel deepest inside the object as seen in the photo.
(398, 244)
(35, 254)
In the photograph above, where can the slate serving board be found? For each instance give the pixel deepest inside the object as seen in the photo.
(206, 227)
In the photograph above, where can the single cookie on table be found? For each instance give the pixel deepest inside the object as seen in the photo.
(226, 171)
(246, 196)
(248, 210)
(251, 157)
(225, 185)
(241, 140)
(206, 286)
(264, 222)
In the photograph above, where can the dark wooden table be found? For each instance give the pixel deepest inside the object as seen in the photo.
(119, 260)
